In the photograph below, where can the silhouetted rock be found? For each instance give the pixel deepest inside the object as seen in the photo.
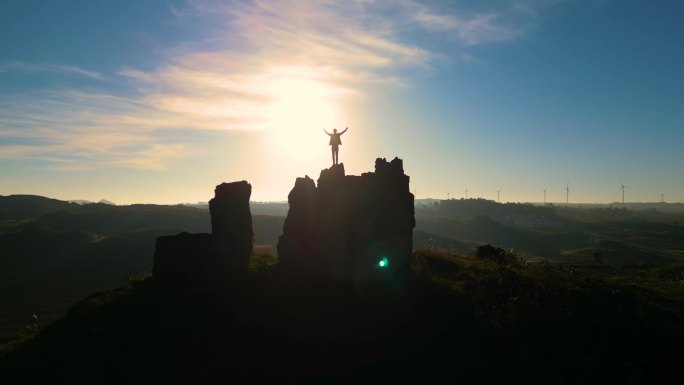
(302, 225)
(354, 228)
(231, 221)
(185, 258)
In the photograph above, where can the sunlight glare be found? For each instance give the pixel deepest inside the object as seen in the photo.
(301, 109)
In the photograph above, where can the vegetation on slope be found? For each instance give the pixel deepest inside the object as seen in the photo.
(461, 319)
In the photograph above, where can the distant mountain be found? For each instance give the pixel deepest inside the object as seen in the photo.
(80, 201)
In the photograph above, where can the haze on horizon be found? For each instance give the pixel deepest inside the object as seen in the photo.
(158, 102)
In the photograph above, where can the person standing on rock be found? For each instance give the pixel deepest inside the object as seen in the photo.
(335, 142)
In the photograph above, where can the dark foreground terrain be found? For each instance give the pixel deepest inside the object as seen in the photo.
(460, 319)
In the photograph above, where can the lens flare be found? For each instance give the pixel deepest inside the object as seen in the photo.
(383, 262)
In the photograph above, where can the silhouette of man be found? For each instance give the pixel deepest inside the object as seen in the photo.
(335, 143)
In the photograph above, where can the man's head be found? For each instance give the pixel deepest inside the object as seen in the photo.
(334, 130)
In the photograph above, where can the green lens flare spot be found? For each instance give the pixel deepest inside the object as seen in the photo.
(383, 262)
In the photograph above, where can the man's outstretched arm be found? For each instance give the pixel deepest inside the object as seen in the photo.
(345, 130)
(329, 134)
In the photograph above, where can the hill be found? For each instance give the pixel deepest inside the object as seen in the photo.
(560, 233)
(15, 209)
(461, 319)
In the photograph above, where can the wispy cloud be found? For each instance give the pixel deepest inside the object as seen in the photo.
(508, 21)
(257, 44)
(257, 56)
(32, 68)
(74, 130)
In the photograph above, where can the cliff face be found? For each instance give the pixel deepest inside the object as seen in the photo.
(352, 228)
(189, 258)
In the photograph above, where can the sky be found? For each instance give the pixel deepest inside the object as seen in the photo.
(141, 101)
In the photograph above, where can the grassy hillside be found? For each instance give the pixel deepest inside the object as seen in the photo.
(482, 229)
(562, 233)
(461, 320)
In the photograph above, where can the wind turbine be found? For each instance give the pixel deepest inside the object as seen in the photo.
(498, 197)
(662, 198)
(466, 192)
(544, 196)
(567, 193)
(622, 187)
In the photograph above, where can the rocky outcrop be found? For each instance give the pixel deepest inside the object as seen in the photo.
(231, 221)
(185, 259)
(353, 228)
(346, 227)
(301, 241)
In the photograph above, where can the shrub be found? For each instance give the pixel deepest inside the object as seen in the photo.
(495, 254)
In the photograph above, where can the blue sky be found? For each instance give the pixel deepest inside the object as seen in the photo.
(159, 101)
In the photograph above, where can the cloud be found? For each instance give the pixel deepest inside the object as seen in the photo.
(226, 78)
(74, 130)
(256, 60)
(32, 68)
(485, 28)
(508, 21)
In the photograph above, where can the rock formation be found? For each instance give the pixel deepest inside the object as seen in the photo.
(189, 258)
(231, 220)
(352, 228)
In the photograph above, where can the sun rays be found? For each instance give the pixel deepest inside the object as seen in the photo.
(300, 108)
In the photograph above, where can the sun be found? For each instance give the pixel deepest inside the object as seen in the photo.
(301, 108)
